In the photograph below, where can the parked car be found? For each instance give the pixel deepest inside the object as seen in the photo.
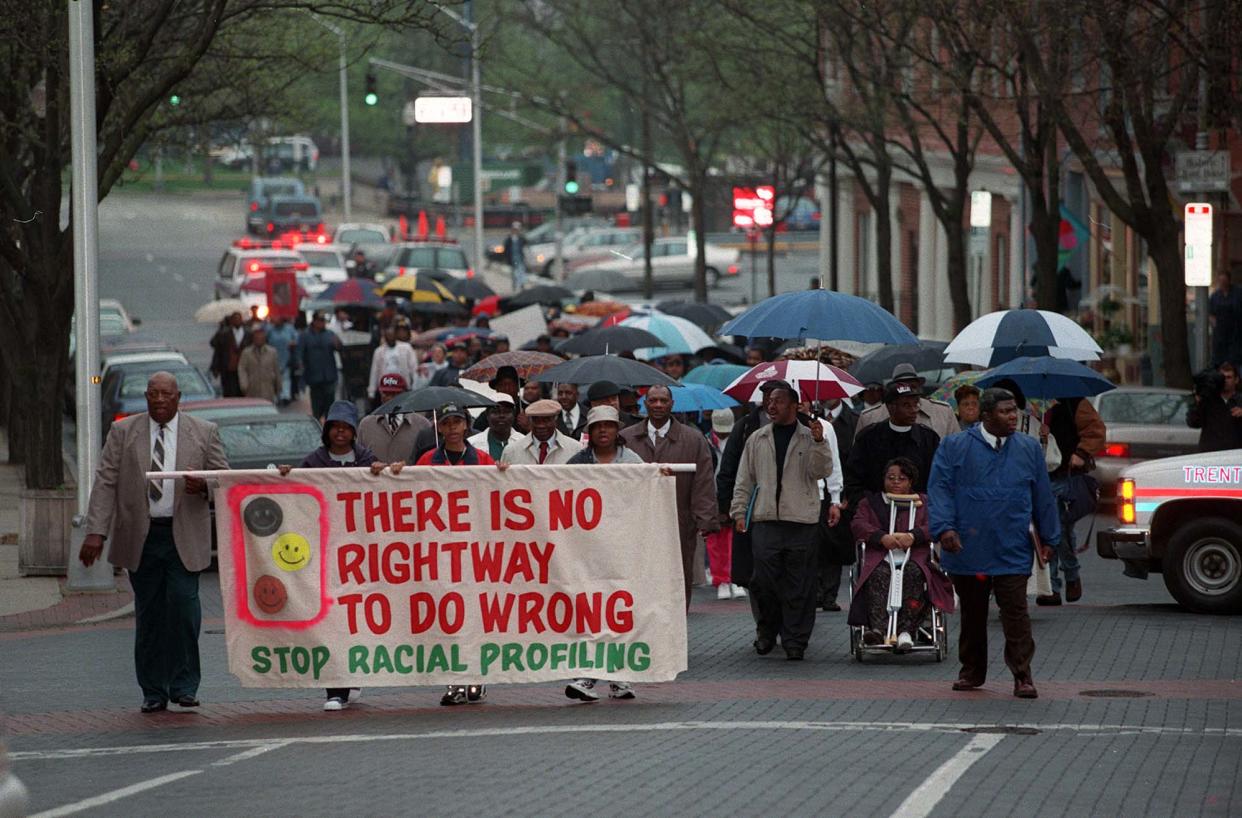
(123, 391)
(803, 214)
(256, 441)
(587, 240)
(426, 256)
(215, 409)
(672, 266)
(169, 357)
(1144, 423)
(361, 233)
(114, 319)
(263, 188)
(543, 236)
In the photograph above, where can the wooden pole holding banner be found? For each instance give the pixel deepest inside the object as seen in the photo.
(207, 475)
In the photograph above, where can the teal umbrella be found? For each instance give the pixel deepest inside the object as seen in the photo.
(716, 374)
(695, 397)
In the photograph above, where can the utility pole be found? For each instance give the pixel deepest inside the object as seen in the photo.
(84, 210)
(833, 193)
(346, 187)
(1203, 354)
(476, 122)
(558, 260)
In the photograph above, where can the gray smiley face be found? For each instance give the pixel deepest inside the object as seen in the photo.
(263, 516)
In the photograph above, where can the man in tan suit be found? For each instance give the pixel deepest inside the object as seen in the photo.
(661, 439)
(258, 369)
(160, 535)
(546, 444)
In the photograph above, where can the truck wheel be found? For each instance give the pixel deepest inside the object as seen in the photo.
(1203, 566)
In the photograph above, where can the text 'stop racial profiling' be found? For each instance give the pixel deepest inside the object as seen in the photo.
(440, 576)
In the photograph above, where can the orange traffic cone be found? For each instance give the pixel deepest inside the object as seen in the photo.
(441, 230)
(422, 225)
(403, 227)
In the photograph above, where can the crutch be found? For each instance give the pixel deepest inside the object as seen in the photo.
(897, 558)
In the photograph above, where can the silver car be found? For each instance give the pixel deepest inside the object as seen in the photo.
(587, 242)
(672, 266)
(1144, 423)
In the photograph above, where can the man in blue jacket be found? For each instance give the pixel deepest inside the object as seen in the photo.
(987, 486)
(317, 350)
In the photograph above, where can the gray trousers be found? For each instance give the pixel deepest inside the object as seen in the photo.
(785, 582)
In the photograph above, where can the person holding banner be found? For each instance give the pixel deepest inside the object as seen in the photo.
(341, 449)
(546, 444)
(662, 439)
(776, 497)
(161, 536)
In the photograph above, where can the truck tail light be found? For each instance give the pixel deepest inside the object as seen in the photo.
(254, 207)
(1125, 501)
(1116, 450)
(470, 273)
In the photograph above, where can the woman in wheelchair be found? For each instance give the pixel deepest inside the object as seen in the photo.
(883, 522)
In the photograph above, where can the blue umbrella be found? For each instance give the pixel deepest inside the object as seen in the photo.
(717, 374)
(1049, 378)
(821, 314)
(696, 397)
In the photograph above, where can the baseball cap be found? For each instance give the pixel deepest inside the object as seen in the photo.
(769, 386)
(503, 397)
(898, 389)
(451, 410)
(393, 382)
(602, 389)
(600, 414)
(905, 372)
(543, 409)
(722, 420)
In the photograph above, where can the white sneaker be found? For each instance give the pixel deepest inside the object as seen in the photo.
(904, 643)
(622, 690)
(335, 703)
(724, 591)
(707, 576)
(739, 592)
(582, 690)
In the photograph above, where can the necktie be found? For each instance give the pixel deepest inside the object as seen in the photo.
(156, 490)
(543, 451)
(1000, 441)
(393, 422)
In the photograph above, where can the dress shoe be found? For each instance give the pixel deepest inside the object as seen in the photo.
(830, 606)
(794, 654)
(153, 706)
(963, 683)
(1073, 590)
(186, 701)
(872, 637)
(1024, 689)
(764, 646)
(1046, 600)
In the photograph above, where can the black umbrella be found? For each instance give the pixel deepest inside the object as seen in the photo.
(613, 339)
(431, 398)
(877, 366)
(544, 294)
(707, 316)
(472, 288)
(592, 368)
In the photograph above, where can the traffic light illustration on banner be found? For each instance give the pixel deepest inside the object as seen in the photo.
(372, 95)
(571, 177)
(280, 561)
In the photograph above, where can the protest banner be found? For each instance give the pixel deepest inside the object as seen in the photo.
(340, 578)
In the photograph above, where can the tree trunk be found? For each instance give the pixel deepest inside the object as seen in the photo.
(698, 213)
(771, 254)
(648, 216)
(1046, 232)
(38, 406)
(959, 292)
(884, 238)
(1164, 246)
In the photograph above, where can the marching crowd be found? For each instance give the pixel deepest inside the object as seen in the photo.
(972, 504)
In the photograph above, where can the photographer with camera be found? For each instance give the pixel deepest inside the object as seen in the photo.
(1217, 410)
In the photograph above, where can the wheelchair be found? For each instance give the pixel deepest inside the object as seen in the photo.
(931, 637)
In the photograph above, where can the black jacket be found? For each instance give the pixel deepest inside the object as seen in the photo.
(1220, 429)
(876, 446)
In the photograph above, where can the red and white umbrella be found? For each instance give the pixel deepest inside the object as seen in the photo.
(812, 379)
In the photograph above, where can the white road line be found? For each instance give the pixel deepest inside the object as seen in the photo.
(246, 755)
(925, 797)
(115, 795)
(1082, 730)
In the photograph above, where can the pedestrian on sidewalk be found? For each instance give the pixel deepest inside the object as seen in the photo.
(719, 544)
(341, 449)
(258, 371)
(662, 439)
(317, 350)
(160, 535)
(514, 249)
(226, 349)
(283, 337)
(1078, 432)
(987, 485)
(777, 498)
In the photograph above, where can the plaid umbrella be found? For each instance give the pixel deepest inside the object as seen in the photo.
(527, 363)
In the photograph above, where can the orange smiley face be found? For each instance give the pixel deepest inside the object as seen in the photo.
(270, 594)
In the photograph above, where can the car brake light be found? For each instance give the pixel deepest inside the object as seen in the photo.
(271, 228)
(1116, 450)
(255, 266)
(119, 416)
(400, 271)
(469, 273)
(1125, 493)
(254, 206)
(732, 269)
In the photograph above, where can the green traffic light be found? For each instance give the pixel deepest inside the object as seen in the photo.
(174, 100)
(371, 98)
(571, 186)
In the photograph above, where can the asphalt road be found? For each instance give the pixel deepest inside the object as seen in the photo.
(1139, 714)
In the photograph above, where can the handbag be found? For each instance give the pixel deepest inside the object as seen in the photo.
(1079, 496)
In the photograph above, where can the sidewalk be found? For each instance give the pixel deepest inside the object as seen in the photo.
(29, 603)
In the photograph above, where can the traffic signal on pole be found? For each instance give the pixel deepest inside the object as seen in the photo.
(571, 177)
(174, 100)
(372, 96)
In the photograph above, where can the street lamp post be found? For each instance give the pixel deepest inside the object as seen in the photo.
(476, 125)
(346, 187)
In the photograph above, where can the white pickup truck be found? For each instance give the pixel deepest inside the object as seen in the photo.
(1182, 517)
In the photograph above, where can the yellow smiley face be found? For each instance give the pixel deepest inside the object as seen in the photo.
(291, 552)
